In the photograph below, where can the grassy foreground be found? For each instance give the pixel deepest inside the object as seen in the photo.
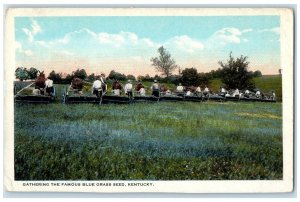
(156, 141)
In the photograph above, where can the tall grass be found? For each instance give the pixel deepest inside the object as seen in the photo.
(161, 141)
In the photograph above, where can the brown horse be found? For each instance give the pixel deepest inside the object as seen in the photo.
(163, 88)
(77, 84)
(40, 81)
(116, 85)
(139, 86)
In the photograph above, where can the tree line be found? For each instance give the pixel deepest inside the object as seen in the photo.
(233, 73)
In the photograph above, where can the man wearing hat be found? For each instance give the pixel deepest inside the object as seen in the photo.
(155, 89)
(103, 83)
(179, 88)
(97, 87)
(128, 89)
(49, 86)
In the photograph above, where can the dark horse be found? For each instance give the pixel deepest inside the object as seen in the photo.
(77, 84)
(139, 86)
(116, 85)
(40, 82)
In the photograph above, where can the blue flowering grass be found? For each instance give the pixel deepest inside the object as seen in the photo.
(161, 141)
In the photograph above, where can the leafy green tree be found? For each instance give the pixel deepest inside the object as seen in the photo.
(113, 75)
(203, 79)
(91, 77)
(235, 73)
(164, 63)
(191, 77)
(148, 78)
(22, 73)
(140, 78)
(80, 73)
(68, 79)
(32, 73)
(257, 73)
(131, 77)
(56, 77)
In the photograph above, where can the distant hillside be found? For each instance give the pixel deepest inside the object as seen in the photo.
(266, 84)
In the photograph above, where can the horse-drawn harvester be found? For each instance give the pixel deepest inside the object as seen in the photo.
(34, 92)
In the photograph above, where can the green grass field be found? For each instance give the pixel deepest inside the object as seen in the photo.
(161, 141)
(153, 141)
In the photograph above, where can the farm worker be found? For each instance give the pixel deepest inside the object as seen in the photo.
(222, 91)
(97, 88)
(236, 93)
(258, 94)
(155, 89)
(128, 89)
(206, 90)
(188, 93)
(273, 96)
(168, 92)
(103, 85)
(49, 86)
(179, 88)
(102, 78)
(198, 91)
(142, 91)
(247, 93)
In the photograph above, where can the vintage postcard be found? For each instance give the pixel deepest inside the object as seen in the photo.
(165, 100)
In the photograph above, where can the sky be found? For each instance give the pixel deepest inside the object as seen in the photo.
(127, 43)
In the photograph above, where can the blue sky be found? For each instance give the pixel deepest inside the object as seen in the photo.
(126, 44)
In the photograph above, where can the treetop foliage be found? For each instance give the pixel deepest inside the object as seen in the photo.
(235, 73)
(164, 63)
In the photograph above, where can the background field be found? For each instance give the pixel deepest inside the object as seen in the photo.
(266, 84)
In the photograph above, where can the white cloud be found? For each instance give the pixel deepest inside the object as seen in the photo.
(225, 36)
(228, 35)
(275, 30)
(28, 53)
(247, 30)
(185, 43)
(19, 49)
(43, 44)
(29, 34)
(92, 39)
(148, 42)
(35, 29)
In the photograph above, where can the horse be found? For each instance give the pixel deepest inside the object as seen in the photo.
(116, 85)
(40, 82)
(77, 84)
(139, 86)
